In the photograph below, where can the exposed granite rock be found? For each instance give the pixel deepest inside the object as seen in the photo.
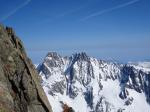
(20, 89)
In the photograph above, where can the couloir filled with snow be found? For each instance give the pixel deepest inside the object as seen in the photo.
(90, 85)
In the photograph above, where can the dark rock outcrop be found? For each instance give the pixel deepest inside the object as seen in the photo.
(138, 80)
(20, 89)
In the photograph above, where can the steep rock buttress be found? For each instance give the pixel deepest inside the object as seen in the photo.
(20, 89)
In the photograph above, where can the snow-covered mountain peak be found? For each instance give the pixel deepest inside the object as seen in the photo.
(53, 56)
(90, 85)
(80, 56)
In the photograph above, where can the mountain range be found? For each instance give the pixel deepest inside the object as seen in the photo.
(87, 84)
(76, 83)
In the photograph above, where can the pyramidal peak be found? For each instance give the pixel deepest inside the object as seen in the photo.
(53, 55)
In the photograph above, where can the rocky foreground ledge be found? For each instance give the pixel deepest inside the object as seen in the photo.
(20, 89)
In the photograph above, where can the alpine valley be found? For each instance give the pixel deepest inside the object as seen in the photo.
(87, 84)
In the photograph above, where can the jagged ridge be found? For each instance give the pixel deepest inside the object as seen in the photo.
(88, 84)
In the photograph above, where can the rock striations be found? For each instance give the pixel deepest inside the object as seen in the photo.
(20, 89)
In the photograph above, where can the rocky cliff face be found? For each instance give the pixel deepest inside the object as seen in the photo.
(20, 89)
(90, 85)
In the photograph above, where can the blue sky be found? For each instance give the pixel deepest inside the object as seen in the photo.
(106, 29)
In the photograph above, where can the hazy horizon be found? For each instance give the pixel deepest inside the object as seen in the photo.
(113, 30)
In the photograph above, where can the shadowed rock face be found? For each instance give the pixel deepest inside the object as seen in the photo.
(20, 89)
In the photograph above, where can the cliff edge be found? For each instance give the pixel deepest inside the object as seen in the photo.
(20, 89)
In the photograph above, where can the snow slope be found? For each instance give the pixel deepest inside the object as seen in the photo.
(90, 85)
